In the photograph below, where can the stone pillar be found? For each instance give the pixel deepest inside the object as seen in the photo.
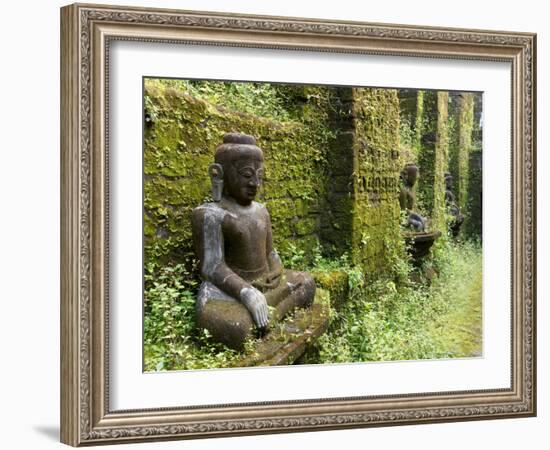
(473, 225)
(426, 153)
(419, 120)
(474, 222)
(465, 128)
(441, 162)
(336, 217)
(376, 236)
(362, 215)
(455, 101)
(411, 105)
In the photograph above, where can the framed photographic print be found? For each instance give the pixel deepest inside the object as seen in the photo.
(276, 224)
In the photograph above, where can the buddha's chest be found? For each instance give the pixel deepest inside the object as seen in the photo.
(245, 232)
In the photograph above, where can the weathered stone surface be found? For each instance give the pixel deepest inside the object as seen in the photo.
(336, 163)
(179, 144)
(474, 220)
(419, 244)
(288, 340)
(376, 238)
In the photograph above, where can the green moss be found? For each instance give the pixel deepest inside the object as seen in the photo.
(305, 226)
(376, 238)
(336, 283)
(466, 125)
(335, 187)
(441, 162)
(426, 154)
(419, 120)
(180, 141)
(149, 227)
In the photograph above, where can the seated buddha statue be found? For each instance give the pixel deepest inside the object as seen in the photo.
(407, 199)
(245, 286)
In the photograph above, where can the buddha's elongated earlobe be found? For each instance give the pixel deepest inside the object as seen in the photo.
(215, 171)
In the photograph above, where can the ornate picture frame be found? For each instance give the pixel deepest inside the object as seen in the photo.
(87, 31)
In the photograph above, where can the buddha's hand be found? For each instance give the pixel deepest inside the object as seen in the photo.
(256, 303)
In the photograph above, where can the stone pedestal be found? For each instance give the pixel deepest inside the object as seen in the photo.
(288, 340)
(419, 244)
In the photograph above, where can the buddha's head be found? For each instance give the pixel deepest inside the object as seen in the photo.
(410, 174)
(448, 181)
(241, 164)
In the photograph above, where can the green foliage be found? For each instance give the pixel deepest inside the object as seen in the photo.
(171, 338)
(385, 320)
(407, 140)
(260, 99)
(293, 256)
(380, 319)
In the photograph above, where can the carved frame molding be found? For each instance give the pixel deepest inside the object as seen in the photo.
(86, 31)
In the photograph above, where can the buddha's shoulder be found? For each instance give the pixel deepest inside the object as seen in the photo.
(218, 211)
(259, 206)
(211, 211)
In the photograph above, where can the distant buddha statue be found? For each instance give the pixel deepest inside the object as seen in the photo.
(243, 277)
(407, 198)
(452, 207)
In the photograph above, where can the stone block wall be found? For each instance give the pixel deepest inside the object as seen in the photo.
(447, 136)
(376, 239)
(337, 219)
(465, 158)
(331, 175)
(473, 225)
(181, 135)
(441, 163)
(362, 213)
(427, 153)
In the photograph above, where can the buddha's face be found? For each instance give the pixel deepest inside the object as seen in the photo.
(411, 174)
(243, 178)
(449, 182)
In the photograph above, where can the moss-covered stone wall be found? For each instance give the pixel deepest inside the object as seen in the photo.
(419, 120)
(441, 162)
(473, 225)
(181, 135)
(465, 129)
(331, 175)
(337, 219)
(455, 101)
(465, 157)
(445, 134)
(377, 241)
(474, 220)
(411, 108)
(428, 114)
(426, 153)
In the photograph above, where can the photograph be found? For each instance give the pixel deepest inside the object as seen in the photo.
(272, 225)
(280, 224)
(291, 224)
